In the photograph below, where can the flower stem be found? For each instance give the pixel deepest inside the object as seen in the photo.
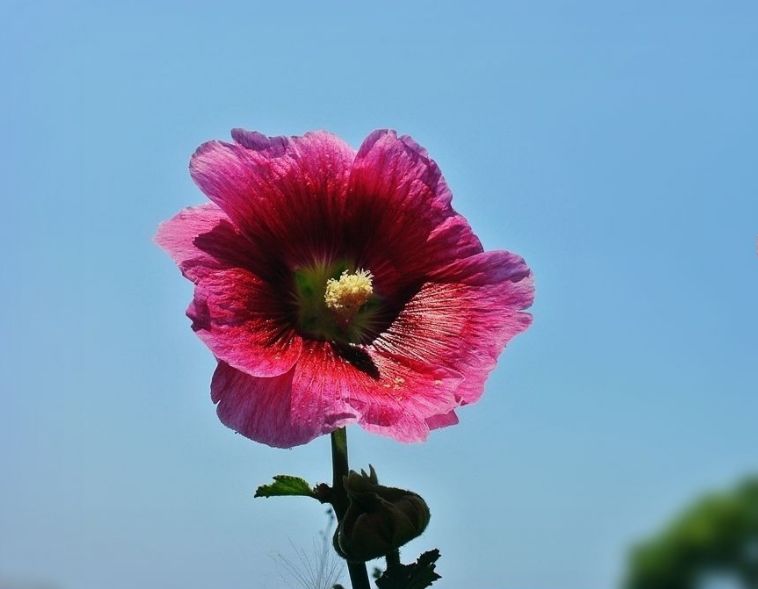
(357, 570)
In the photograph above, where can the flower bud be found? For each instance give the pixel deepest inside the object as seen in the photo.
(378, 519)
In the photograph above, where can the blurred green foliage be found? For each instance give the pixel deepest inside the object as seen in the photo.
(717, 534)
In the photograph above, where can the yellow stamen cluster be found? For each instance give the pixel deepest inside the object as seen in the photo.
(349, 293)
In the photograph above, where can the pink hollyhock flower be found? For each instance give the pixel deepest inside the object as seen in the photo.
(337, 287)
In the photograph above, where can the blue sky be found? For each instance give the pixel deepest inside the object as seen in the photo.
(611, 144)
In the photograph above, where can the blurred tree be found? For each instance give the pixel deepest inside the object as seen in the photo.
(717, 535)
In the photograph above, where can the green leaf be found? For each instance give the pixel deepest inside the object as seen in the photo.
(418, 575)
(285, 485)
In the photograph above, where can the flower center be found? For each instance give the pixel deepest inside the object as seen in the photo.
(336, 302)
(346, 295)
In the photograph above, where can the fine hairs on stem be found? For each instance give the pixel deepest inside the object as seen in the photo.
(319, 569)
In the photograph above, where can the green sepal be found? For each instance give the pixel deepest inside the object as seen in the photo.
(284, 486)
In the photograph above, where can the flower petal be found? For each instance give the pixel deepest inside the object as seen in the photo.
(331, 387)
(242, 319)
(464, 318)
(202, 239)
(444, 420)
(400, 208)
(268, 410)
(386, 395)
(285, 194)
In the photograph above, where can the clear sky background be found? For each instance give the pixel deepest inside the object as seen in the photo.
(611, 144)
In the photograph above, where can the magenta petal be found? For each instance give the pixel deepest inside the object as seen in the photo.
(444, 420)
(268, 410)
(401, 204)
(241, 319)
(269, 146)
(385, 395)
(182, 237)
(285, 194)
(464, 319)
(384, 150)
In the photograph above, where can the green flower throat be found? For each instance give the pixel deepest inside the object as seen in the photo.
(335, 303)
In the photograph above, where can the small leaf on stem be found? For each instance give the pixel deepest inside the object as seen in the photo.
(286, 485)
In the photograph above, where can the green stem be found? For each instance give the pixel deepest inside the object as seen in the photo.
(357, 570)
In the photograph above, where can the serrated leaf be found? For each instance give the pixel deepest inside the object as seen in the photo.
(285, 485)
(418, 575)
